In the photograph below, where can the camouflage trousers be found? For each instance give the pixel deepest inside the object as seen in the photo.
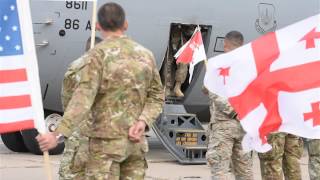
(174, 72)
(283, 159)
(72, 164)
(225, 150)
(314, 159)
(116, 159)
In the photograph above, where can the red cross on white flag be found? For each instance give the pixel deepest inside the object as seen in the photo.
(276, 87)
(192, 52)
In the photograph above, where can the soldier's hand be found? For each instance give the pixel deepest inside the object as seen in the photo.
(204, 90)
(136, 131)
(47, 141)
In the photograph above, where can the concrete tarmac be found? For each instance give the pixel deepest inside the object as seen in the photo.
(25, 166)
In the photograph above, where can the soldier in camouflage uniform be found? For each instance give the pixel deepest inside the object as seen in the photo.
(72, 163)
(314, 159)
(226, 133)
(120, 85)
(174, 78)
(283, 158)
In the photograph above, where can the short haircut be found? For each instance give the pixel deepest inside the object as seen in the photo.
(96, 41)
(235, 37)
(111, 16)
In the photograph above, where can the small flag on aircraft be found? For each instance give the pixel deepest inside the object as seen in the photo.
(273, 83)
(20, 96)
(192, 52)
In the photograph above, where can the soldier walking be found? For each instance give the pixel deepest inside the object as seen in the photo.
(176, 74)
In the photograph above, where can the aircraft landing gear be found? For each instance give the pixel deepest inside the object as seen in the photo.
(25, 141)
(14, 142)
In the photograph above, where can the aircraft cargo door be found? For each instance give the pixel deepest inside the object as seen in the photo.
(175, 77)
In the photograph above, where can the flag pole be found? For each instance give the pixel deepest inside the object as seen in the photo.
(47, 165)
(206, 60)
(93, 24)
(206, 64)
(166, 69)
(36, 99)
(46, 159)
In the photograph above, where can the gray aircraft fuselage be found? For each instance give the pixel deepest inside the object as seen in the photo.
(61, 29)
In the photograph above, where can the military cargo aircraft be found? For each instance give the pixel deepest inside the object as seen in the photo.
(61, 29)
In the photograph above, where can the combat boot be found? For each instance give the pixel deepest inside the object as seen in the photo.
(168, 92)
(177, 90)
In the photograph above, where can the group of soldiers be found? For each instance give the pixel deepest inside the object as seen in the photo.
(225, 154)
(112, 95)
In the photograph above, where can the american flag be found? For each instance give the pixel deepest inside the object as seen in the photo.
(19, 81)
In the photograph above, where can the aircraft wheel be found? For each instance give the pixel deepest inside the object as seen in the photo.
(14, 142)
(31, 143)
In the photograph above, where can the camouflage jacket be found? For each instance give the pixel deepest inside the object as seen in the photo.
(119, 84)
(220, 109)
(71, 80)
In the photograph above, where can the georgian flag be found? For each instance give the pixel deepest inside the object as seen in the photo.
(20, 96)
(273, 83)
(192, 52)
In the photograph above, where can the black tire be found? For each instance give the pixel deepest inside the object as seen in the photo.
(33, 146)
(14, 141)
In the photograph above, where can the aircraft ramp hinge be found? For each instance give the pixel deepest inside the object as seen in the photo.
(183, 135)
